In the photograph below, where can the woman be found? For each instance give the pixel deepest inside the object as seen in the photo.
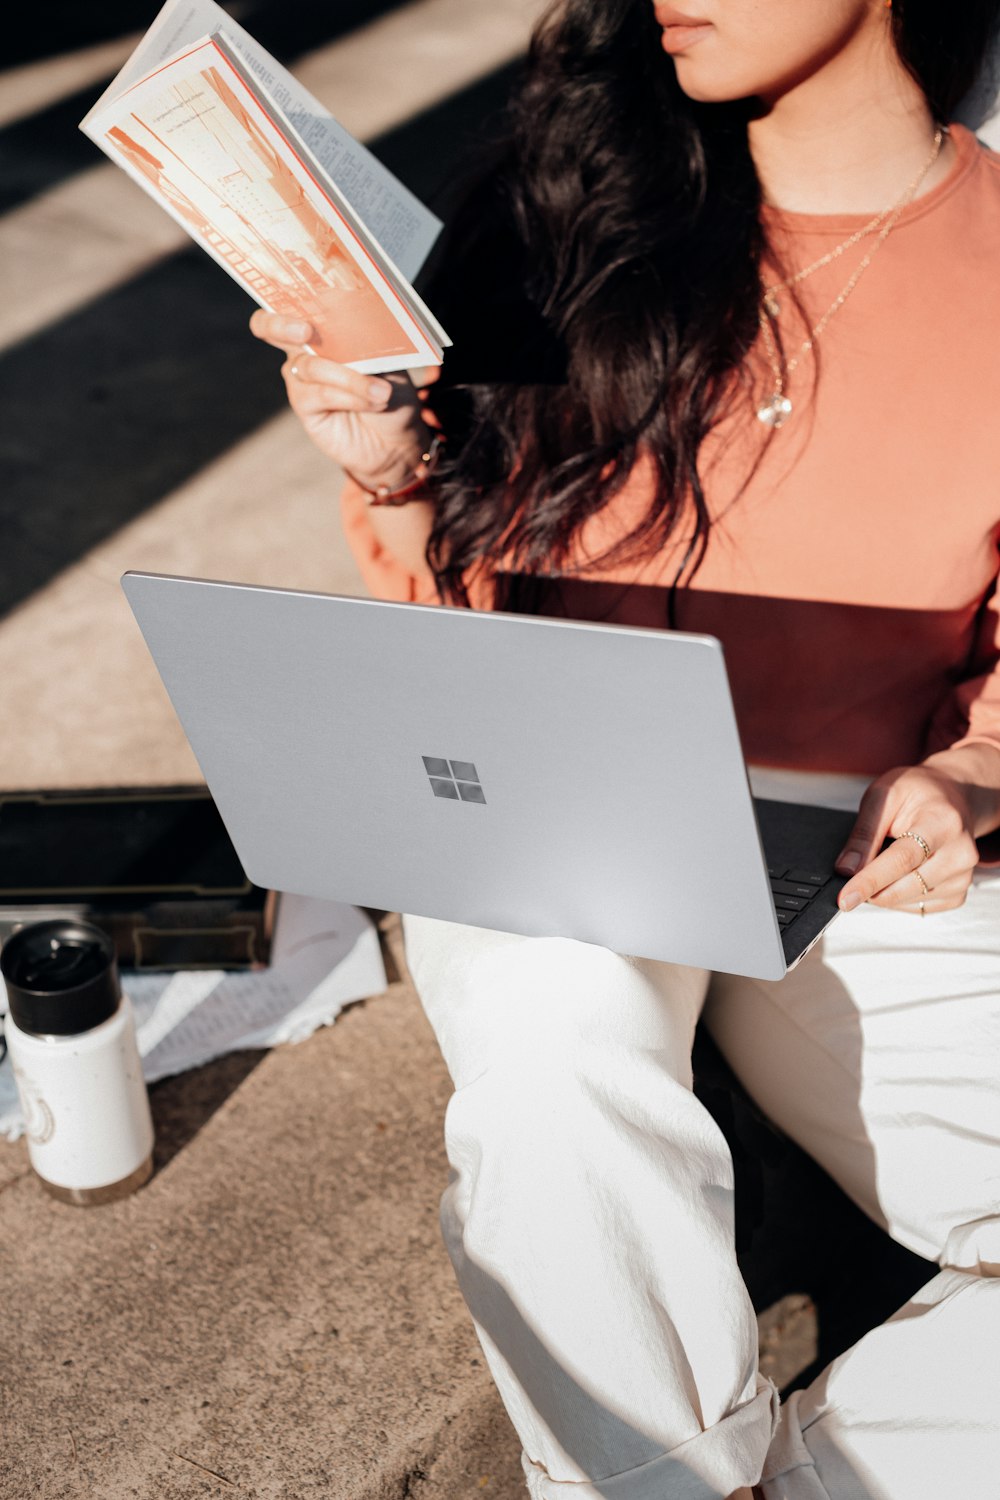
(749, 389)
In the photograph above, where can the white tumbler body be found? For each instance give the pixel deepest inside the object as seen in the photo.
(87, 1118)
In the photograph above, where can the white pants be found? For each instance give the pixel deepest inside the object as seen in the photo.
(589, 1209)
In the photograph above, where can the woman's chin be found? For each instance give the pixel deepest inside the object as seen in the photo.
(704, 92)
(704, 84)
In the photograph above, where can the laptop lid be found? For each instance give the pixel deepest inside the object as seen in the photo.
(540, 776)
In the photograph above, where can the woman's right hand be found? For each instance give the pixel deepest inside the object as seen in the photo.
(369, 424)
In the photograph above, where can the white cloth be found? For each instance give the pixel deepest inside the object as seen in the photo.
(589, 1211)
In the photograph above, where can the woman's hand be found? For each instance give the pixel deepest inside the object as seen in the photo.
(369, 424)
(949, 800)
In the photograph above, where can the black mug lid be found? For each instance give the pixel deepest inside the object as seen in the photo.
(61, 977)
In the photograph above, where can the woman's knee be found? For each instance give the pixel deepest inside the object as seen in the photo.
(493, 996)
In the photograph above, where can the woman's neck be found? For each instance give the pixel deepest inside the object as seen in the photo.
(848, 138)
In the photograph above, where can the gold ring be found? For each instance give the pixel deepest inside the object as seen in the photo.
(922, 912)
(925, 846)
(923, 884)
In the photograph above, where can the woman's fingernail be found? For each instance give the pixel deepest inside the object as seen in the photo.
(299, 333)
(850, 901)
(379, 392)
(848, 862)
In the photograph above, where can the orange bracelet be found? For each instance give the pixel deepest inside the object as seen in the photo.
(383, 495)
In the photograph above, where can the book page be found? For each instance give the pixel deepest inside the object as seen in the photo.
(324, 956)
(175, 27)
(196, 138)
(404, 228)
(309, 159)
(398, 220)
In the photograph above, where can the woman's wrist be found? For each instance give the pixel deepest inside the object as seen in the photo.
(414, 486)
(400, 467)
(976, 769)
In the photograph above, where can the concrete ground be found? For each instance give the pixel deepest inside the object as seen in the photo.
(273, 1316)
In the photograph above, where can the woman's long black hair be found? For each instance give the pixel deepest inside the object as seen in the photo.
(638, 214)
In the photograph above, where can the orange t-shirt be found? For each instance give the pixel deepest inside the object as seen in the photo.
(853, 577)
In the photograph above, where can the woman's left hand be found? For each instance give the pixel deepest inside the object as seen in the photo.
(925, 800)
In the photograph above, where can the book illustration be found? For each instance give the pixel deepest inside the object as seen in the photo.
(223, 169)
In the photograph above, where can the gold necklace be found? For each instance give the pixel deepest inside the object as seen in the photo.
(770, 300)
(776, 410)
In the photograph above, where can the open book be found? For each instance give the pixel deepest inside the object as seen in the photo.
(264, 178)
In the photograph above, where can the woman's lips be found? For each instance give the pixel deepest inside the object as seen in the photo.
(678, 37)
(680, 31)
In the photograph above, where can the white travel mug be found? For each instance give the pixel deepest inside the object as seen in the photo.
(71, 1038)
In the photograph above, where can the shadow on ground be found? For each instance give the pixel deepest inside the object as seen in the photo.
(65, 25)
(183, 1104)
(112, 408)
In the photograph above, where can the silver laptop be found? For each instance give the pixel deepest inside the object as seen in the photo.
(537, 776)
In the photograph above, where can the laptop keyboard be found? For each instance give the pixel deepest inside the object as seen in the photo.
(792, 890)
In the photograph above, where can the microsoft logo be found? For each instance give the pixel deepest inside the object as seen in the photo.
(454, 779)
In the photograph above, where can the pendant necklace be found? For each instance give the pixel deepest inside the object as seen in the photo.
(777, 408)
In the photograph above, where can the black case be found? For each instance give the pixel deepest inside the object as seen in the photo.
(153, 867)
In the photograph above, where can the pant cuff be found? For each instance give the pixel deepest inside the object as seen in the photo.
(789, 1469)
(709, 1466)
